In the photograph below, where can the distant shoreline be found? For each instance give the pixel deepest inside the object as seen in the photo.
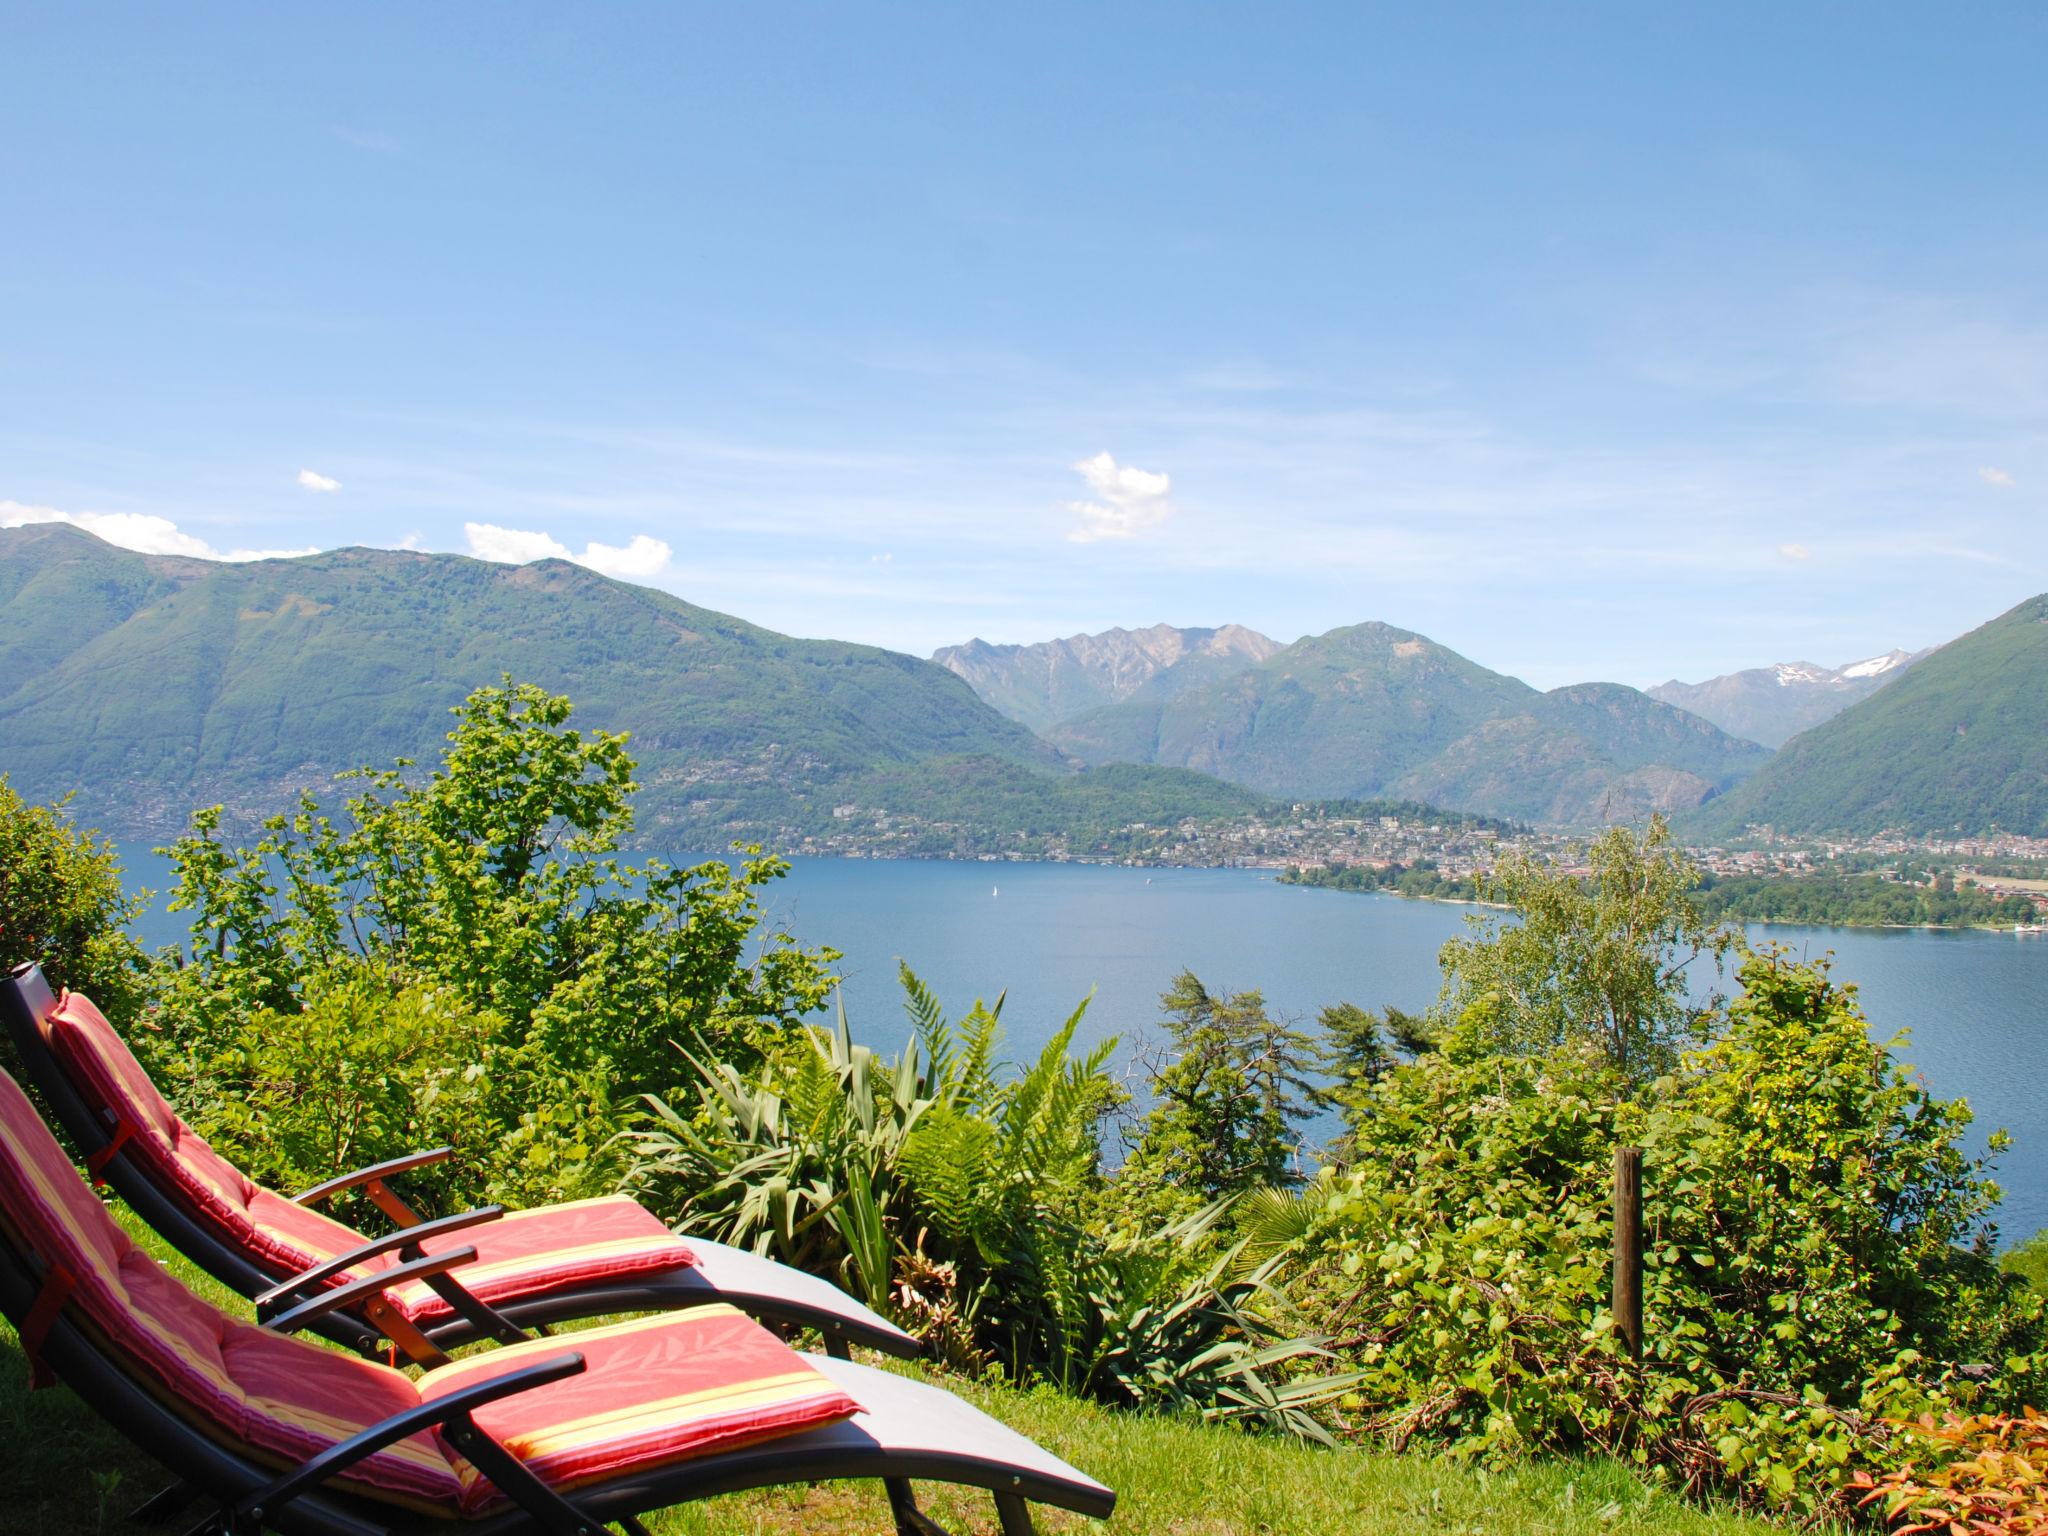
(1760, 922)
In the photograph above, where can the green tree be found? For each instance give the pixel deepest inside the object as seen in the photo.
(1361, 1047)
(1599, 961)
(496, 877)
(1232, 1086)
(62, 906)
(1814, 1264)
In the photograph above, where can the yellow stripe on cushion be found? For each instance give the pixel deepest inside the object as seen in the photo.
(327, 1426)
(599, 1429)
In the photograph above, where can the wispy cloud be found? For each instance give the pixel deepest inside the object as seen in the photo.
(641, 557)
(1998, 477)
(1795, 551)
(313, 480)
(143, 532)
(1131, 502)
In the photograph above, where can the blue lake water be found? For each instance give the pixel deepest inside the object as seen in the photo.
(1976, 1004)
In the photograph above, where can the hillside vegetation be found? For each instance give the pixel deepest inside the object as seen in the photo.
(1957, 744)
(149, 684)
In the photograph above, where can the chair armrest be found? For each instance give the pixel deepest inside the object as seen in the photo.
(374, 1176)
(365, 1289)
(453, 1411)
(405, 1238)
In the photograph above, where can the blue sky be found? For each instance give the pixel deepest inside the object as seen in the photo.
(1621, 342)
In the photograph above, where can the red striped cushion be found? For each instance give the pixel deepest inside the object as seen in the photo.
(521, 1255)
(554, 1248)
(657, 1390)
(117, 1089)
(240, 1385)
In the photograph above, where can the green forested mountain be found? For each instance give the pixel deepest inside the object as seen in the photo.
(151, 685)
(1959, 743)
(1371, 710)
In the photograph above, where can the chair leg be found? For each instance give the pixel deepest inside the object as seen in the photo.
(161, 1506)
(836, 1346)
(910, 1520)
(1015, 1515)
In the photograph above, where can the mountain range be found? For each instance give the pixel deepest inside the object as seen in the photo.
(1044, 684)
(1958, 744)
(1367, 710)
(1374, 710)
(150, 684)
(1771, 705)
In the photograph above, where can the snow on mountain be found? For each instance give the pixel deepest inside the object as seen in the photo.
(1890, 661)
(1775, 703)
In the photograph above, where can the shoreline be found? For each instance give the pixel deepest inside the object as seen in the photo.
(1761, 922)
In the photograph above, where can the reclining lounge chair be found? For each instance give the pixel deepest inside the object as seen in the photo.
(591, 1258)
(555, 1436)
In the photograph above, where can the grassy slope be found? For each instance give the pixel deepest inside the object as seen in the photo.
(64, 1473)
(1959, 742)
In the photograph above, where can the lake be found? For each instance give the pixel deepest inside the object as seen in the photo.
(1976, 1004)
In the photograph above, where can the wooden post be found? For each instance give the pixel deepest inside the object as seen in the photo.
(1628, 1248)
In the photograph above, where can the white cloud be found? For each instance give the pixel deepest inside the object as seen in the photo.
(1131, 500)
(1795, 551)
(512, 546)
(313, 480)
(1997, 477)
(143, 532)
(640, 556)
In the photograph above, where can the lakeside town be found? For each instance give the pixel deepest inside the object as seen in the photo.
(1455, 848)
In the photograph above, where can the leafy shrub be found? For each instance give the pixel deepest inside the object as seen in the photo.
(461, 958)
(1986, 1475)
(62, 906)
(2030, 1261)
(1809, 1268)
(495, 876)
(372, 1066)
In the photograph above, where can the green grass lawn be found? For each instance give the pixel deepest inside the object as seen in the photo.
(63, 1473)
